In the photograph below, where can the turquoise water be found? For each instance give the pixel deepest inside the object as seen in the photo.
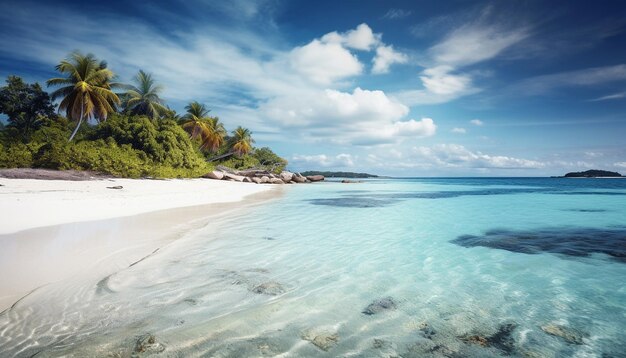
(444, 267)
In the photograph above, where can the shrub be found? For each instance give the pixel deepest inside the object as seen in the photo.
(15, 155)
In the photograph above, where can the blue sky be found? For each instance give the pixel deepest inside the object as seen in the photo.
(437, 88)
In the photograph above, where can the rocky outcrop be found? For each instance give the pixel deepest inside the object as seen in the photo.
(270, 288)
(315, 178)
(322, 340)
(260, 176)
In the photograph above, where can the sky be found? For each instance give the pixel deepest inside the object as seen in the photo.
(401, 88)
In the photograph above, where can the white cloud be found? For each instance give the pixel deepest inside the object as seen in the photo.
(477, 122)
(458, 130)
(620, 164)
(325, 62)
(475, 43)
(579, 78)
(440, 81)
(393, 14)
(454, 155)
(611, 96)
(385, 57)
(361, 38)
(322, 160)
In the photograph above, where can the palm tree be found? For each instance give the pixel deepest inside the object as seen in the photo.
(241, 142)
(144, 99)
(87, 89)
(200, 125)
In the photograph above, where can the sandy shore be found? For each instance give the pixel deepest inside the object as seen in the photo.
(29, 203)
(53, 230)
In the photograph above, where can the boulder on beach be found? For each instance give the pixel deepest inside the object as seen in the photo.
(234, 177)
(247, 180)
(380, 305)
(265, 179)
(298, 178)
(276, 181)
(286, 176)
(256, 180)
(216, 174)
(315, 178)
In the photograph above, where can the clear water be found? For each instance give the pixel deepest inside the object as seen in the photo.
(463, 261)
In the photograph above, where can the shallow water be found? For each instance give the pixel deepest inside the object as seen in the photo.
(410, 268)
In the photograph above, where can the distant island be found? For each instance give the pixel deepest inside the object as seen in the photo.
(340, 174)
(594, 173)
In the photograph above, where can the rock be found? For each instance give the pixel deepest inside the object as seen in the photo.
(380, 305)
(234, 177)
(247, 180)
(570, 335)
(315, 178)
(348, 181)
(270, 288)
(256, 180)
(265, 179)
(286, 176)
(298, 178)
(276, 181)
(502, 339)
(323, 340)
(427, 330)
(216, 174)
(115, 187)
(148, 344)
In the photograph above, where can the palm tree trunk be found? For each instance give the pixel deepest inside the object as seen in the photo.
(82, 111)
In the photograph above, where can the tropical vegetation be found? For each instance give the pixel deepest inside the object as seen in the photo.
(131, 133)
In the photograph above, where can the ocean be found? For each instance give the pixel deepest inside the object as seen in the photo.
(436, 267)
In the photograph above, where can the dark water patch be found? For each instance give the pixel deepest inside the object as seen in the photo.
(569, 241)
(587, 210)
(353, 202)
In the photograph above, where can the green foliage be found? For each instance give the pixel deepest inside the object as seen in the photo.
(27, 107)
(242, 162)
(16, 155)
(164, 142)
(269, 160)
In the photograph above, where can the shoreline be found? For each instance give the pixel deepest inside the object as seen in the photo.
(36, 203)
(44, 254)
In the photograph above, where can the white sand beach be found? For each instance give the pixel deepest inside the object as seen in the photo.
(53, 230)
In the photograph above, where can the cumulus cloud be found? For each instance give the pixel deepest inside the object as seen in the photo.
(325, 62)
(477, 122)
(322, 160)
(458, 130)
(385, 57)
(361, 38)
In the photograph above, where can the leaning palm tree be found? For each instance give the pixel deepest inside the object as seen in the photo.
(87, 89)
(241, 142)
(208, 130)
(144, 98)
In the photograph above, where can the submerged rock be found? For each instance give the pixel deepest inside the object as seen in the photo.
(380, 305)
(502, 339)
(271, 288)
(147, 344)
(570, 335)
(322, 340)
(426, 330)
(115, 187)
